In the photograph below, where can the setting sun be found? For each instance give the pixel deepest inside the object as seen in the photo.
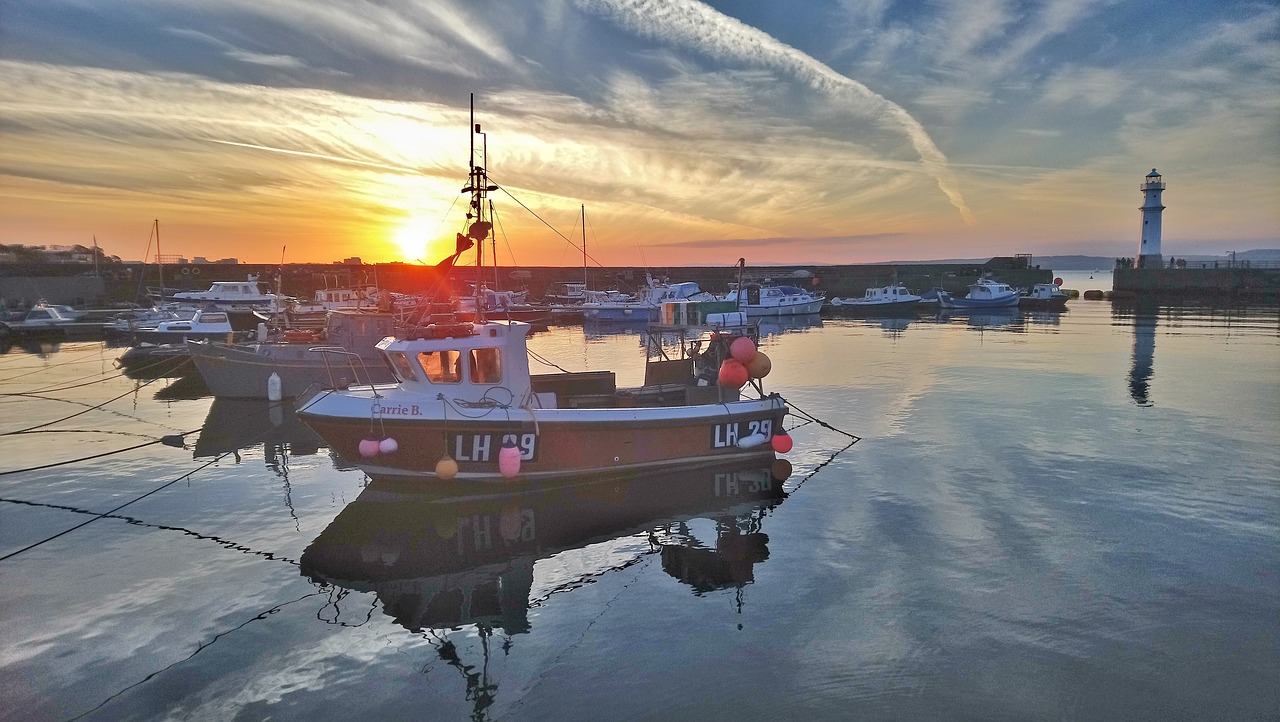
(418, 239)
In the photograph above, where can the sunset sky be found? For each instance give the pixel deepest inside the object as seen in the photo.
(804, 131)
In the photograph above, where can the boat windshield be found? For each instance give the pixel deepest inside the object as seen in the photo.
(442, 367)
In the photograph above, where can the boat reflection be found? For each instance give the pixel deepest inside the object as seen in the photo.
(1003, 319)
(41, 347)
(234, 425)
(439, 563)
(183, 388)
(778, 325)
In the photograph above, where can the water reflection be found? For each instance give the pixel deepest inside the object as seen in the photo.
(1002, 319)
(42, 347)
(439, 563)
(1144, 350)
(233, 425)
(778, 325)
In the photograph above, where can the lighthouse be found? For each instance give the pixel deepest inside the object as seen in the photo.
(1149, 253)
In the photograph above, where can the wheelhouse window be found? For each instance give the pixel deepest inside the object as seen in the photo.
(400, 365)
(486, 366)
(442, 367)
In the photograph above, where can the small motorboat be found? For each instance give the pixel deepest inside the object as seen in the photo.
(894, 298)
(1044, 297)
(983, 293)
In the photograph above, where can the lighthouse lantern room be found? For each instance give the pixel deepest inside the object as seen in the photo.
(1149, 253)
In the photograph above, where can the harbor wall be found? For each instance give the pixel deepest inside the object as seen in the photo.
(1245, 283)
(127, 283)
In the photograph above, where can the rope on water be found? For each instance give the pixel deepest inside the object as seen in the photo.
(810, 418)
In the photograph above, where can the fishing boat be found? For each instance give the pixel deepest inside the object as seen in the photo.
(341, 353)
(894, 298)
(465, 408)
(1044, 297)
(983, 293)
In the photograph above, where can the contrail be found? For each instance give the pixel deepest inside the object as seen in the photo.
(321, 156)
(707, 30)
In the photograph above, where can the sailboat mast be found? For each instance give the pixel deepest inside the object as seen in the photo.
(159, 258)
(584, 246)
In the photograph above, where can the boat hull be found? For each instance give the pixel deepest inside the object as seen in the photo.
(553, 443)
(860, 308)
(243, 371)
(967, 303)
(795, 309)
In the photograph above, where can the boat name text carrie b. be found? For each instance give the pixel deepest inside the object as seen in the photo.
(397, 410)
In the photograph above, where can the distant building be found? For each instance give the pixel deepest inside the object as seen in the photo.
(352, 261)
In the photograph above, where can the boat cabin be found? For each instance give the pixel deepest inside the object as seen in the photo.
(484, 364)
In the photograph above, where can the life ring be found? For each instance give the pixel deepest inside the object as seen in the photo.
(195, 271)
(186, 271)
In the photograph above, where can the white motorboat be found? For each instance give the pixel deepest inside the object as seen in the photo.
(1044, 297)
(892, 298)
(205, 324)
(234, 295)
(765, 299)
(983, 293)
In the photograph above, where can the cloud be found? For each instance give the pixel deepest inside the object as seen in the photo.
(699, 26)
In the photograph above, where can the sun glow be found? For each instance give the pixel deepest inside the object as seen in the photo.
(418, 240)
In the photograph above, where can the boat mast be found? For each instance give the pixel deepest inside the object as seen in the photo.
(159, 259)
(584, 246)
(478, 186)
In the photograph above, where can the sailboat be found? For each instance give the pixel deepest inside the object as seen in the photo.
(466, 410)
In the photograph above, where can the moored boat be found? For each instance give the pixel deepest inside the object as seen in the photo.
(983, 293)
(1044, 297)
(203, 324)
(767, 299)
(894, 298)
(465, 407)
(233, 295)
(50, 320)
(342, 354)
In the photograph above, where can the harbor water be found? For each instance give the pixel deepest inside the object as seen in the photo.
(1047, 516)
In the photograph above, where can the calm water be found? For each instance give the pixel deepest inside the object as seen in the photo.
(1048, 517)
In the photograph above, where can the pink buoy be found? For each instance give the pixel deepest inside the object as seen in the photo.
(369, 447)
(759, 366)
(732, 374)
(388, 446)
(782, 442)
(509, 459)
(742, 349)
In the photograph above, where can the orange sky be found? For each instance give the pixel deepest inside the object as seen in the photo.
(767, 138)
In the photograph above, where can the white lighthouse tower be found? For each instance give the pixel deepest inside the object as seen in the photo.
(1149, 253)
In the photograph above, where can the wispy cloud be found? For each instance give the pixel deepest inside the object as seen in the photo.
(703, 28)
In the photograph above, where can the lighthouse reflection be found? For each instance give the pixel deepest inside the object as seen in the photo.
(1144, 315)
